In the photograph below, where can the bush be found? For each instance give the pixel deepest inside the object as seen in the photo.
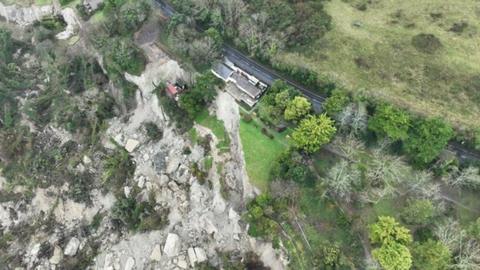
(248, 118)
(118, 168)
(427, 138)
(426, 43)
(154, 133)
(336, 102)
(419, 212)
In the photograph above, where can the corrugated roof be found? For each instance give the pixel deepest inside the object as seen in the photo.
(245, 86)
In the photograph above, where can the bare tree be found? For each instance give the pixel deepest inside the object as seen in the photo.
(468, 257)
(341, 180)
(450, 234)
(468, 177)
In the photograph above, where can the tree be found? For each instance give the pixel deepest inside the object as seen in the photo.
(431, 255)
(393, 253)
(202, 93)
(390, 122)
(426, 139)
(290, 165)
(387, 230)
(393, 256)
(418, 212)
(336, 102)
(341, 180)
(468, 177)
(297, 108)
(313, 132)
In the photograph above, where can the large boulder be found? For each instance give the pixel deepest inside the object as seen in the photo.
(172, 245)
(72, 247)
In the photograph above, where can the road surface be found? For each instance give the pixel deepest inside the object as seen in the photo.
(268, 76)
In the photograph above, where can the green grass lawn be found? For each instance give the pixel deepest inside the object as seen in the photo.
(217, 127)
(260, 152)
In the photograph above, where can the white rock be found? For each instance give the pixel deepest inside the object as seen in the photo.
(72, 247)
(232, 214)
(191, 256)
(34, 251)
(86, 160)
(172, 245)
(201, 255)
(182, 263)
(127, 191)
(156, 254)
(57, 255)
(130, 263)
(131, 145)
(141, 182)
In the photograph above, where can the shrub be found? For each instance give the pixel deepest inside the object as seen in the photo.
(154, 133)
(391, 122)
(418, 212)
(313, 132)
(427, 138)
(118, 168)
(426, 43)
(336, 102)
(431, 255)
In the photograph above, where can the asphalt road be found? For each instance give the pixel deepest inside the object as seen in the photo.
(268, 76)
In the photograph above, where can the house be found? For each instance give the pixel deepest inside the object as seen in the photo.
(173, 90)
(248, 88)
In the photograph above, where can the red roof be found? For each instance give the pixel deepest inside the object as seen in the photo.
(171, 89)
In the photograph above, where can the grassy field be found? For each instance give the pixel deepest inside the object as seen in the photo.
(217, 127)
(260, 152)
(370, 50)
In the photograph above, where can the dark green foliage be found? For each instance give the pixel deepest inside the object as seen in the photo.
(426, 139)
(79, 189)
(130, 212)
(118, 168)
(6, 47)
(121, 55)
(431, 255)
(105, 107)
(154, 133)
(180, 117)
(65, 2)
(426, 43)
(271, 108)
(336, 102)
(138, 216)
(261, 213)
(291, 166)
(194, 100)
(390, 122)
(124, 17)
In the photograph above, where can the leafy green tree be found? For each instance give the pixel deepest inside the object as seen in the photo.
(313, 132)
(387, 230)
(426, 139)
(290, 165)
(202, 93)
(431, 255)
(391, 122)
(418, 212)
(393, 256)
(336, 102)
(297, 108)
